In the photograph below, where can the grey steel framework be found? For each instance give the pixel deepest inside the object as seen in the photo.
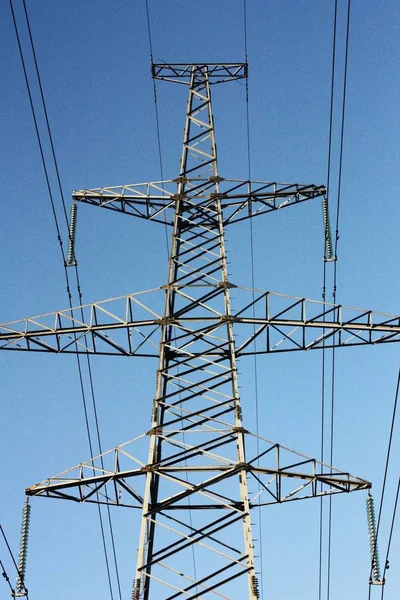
(189, 474)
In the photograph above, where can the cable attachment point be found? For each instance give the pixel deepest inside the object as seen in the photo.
(373, 542)
(329, 256)
(71, 260)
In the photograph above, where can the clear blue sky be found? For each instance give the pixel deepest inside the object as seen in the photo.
(94, 61)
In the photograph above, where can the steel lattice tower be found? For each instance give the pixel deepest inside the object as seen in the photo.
(189, 474)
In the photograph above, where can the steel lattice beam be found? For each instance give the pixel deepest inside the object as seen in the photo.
(116, 477)
(131, 325)
(183, 72)
(240, 199)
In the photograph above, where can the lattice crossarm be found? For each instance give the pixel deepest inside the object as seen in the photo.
(245, 199)
(181, 72)
(104, 479)
(127, 325)
(275, 467)
(154, 201)
(287, 323)
(130, 325)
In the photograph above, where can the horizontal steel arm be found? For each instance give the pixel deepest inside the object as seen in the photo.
(116, 478)
(240, 199)
(130, 325)
(132, 320)
(283, 323)
(245, 199)
(153, 201)
(182, 72)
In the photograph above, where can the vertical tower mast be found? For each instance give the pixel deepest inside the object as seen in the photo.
(196, 407)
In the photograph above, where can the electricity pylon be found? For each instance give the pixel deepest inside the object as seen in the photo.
(189, 474)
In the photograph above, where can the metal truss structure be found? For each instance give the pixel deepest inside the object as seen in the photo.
(189, 474)
(240, 199)
(131, 326)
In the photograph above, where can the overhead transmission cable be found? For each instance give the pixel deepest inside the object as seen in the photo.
(385, 568)
(334, 291)
(6, 578)
(255, 359)
(374, 553)
(70, 300)
(328, 256)
(323, 366)
(63, 255)
(157, 118)
(61, 249)
(20, 576)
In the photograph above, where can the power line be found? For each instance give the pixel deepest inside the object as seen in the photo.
(388, 453)
(323, 366)
(149, 29)
(78, 283)
(346, 62)
(36, 127)
(14, 563)
(255, 362)
(333, 371)
(334, 290)
(332, 99)
(44, 164)
(157, 118)
(6, 577)
(391, 534)
(245, 28)
(45, 112)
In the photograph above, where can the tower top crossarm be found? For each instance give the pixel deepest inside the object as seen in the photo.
(182, 72)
